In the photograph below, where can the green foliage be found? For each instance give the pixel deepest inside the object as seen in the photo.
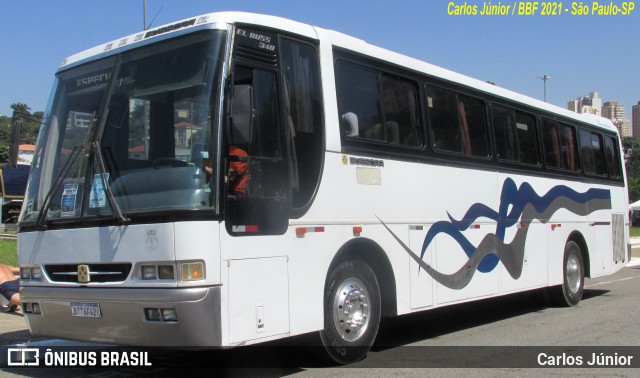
(29, 130)
(5, 125)
(8, 252)
(634, 189)
(632, 166)
(630, 142)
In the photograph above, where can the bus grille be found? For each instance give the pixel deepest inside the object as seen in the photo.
(619, 250)
(95, 272)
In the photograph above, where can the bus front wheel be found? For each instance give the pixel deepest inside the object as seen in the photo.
(570, 292)
(351, 311)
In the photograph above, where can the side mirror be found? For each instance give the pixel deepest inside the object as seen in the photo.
(241, 114)
(14, 141)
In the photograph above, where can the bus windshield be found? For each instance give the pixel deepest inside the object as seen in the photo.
(131, 133)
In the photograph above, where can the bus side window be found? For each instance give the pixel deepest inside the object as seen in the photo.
(399, 99)
(598, 153)
(385, 106)
(358, 93)
(612, 156)
(443, 120)
(569, 147)
(473, 122)
(527, 138)
(592, 153)
(303, 97)
(551, 142)
(559, 142)
(457, 122)
(516, 135)
(504, 135)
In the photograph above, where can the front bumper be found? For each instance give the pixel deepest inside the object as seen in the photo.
(123, 319)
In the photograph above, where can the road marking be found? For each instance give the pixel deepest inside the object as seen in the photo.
(609, 282)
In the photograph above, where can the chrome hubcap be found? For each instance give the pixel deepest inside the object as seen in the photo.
(351, 309)
(574, 275)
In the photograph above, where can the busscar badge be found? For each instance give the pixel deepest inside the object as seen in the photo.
(83, 273)
(152, 240)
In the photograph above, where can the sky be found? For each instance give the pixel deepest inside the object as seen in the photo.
(581, 54)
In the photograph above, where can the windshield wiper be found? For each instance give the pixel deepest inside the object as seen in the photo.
(117, 212)
(46, 204)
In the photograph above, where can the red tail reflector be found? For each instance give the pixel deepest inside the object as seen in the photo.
(301, 231)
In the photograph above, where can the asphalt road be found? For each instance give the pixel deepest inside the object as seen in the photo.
(495, 337)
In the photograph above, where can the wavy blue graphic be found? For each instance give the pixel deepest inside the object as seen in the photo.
(517, 205)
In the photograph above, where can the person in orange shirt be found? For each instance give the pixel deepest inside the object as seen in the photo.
(238, 175)
(238, 170)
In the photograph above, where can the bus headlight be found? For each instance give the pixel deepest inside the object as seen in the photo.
(192, 271)
(31, 273)
(165, 272)
(148, 272)
(36, 273)
(25, 273)
(154, 272)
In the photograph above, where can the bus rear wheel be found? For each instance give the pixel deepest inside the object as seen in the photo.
(351, 312)
(570, 292)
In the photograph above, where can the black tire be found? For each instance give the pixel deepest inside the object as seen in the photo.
(349, 332)
(570, 292)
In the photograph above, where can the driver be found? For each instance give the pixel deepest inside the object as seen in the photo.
(238, 170)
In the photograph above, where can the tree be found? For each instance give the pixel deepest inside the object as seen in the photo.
(632, 165)
(5, 126)
(634, 189)
(21, 108)
(29, 131)
(30, 122)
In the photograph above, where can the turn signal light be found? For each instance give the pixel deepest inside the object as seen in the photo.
(192, 271)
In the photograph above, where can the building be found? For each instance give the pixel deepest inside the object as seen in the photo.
(614, 111)
(635, 121)
(25, 153)
(591, 104)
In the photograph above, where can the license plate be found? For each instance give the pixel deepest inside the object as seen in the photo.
(85, 309)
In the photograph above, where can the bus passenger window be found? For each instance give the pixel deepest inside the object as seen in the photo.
(473, 123)
(457, 122)
(400, 107)
(559, 145)
(516, 135)
(592, 153)
(443, 120)
(358, 94)
(569, 148)
(505, 138)
(377, 106)
(598, 153)
(612, 157)
(527, 138)
(551, 141)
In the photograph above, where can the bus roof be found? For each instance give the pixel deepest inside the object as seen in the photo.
(223, 19)
(206, 21)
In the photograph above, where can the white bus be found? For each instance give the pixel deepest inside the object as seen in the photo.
(243, 178)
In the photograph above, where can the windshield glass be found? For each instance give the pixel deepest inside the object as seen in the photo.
(139, 122)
